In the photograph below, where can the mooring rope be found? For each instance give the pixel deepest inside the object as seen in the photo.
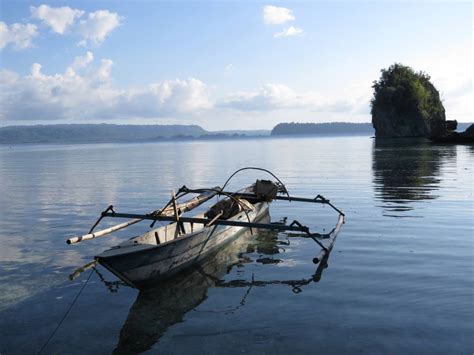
(66, 314)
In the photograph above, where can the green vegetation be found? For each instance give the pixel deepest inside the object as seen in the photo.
(406, 103)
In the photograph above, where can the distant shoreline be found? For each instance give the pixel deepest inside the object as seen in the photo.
(111, 133)
(191, 139)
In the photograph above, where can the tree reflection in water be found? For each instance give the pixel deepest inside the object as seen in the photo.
(159, 307)
(407, 170)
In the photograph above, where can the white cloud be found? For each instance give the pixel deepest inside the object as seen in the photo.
(228, 68)
(273, 15)
(272, 97)
(103, 73)
(19, 35)
(82, 61)
(91, 96)
(93, 28)
(288, 32)
(60, 19)
(98, 26)
(167, 98)
(267, 97)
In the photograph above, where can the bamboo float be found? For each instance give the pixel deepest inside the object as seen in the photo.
(167, 211)
(103, 232)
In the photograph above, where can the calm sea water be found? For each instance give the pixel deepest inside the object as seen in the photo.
(399, 280)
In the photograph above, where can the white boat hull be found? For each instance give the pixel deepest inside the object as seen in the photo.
(139, 263)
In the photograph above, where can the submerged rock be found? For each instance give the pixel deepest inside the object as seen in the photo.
(455, 137)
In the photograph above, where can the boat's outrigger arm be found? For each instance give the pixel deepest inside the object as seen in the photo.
(296, 227)
(318, 199)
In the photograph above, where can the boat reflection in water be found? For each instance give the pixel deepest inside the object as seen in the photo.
(159, 307)
(405, 171)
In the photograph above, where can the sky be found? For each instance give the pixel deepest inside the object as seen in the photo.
(223, 64)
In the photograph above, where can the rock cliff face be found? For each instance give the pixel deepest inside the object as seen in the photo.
(406, 104)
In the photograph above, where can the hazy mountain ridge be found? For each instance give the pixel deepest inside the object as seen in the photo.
(94, 133)
(113, 133)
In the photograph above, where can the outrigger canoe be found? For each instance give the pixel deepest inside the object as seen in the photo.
(164, 251)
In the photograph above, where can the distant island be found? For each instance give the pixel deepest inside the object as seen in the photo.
(112, 133)
(295, 128)
(407, 104)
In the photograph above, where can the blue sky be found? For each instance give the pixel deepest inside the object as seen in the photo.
(223, 65)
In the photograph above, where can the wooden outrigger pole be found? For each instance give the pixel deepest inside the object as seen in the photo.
(170, 210)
